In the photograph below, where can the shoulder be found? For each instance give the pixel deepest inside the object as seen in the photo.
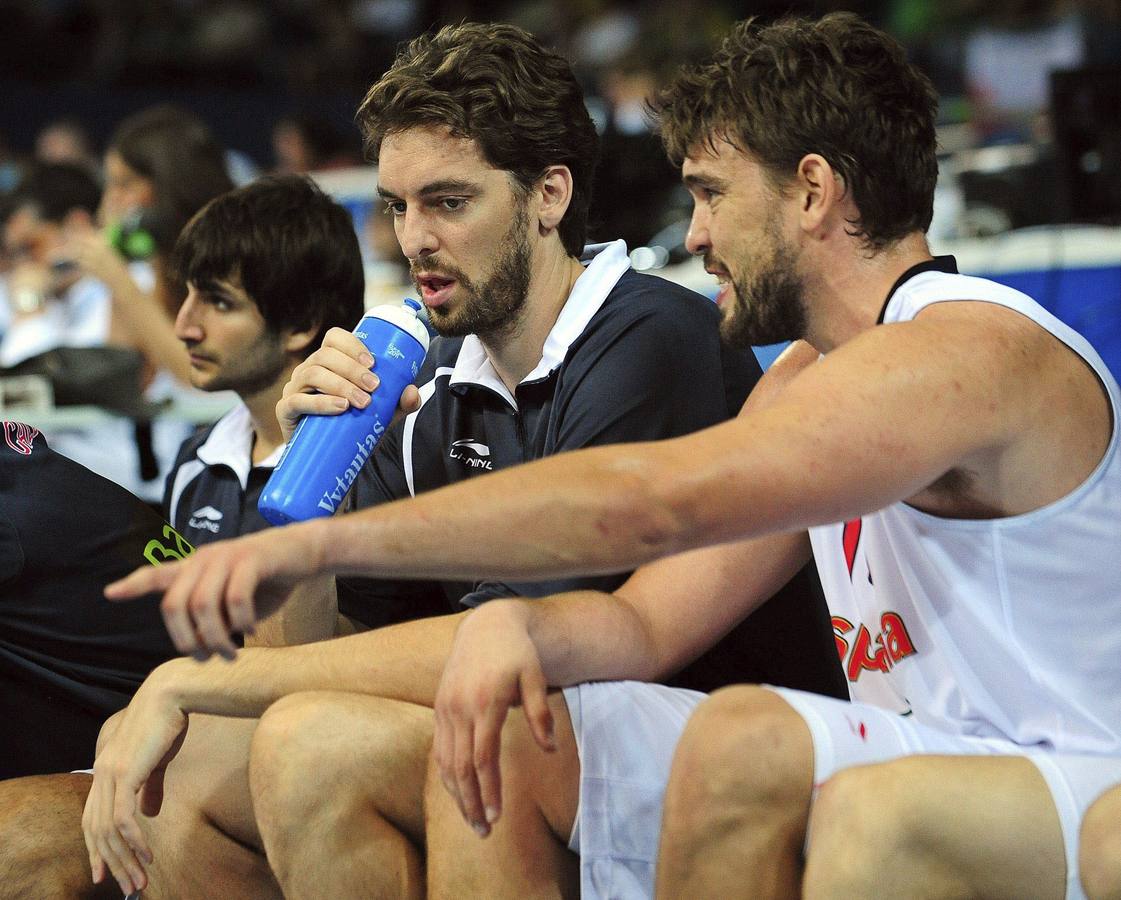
(651, 306)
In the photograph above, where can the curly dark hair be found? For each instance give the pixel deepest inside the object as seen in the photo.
(835, 86)
(496, 85)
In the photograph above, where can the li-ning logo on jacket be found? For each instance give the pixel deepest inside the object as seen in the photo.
(471, 453)
(20, 437)
(206, 519)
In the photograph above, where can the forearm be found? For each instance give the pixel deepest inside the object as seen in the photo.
(143, 323)
(401, 662)
(594, 512)
(587, 636)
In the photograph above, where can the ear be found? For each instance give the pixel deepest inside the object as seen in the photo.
(297, 342)
(819, 190)
(554, 194)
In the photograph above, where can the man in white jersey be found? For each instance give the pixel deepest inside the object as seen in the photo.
(964, 442)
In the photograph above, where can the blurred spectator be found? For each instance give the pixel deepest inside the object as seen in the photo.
(633, 164)
(51, 304)
(306, 142)
(162, 165)
(66, 141)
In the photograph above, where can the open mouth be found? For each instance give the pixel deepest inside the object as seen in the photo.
(724, 291)
(434, 290)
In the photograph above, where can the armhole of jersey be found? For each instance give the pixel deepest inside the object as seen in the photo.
(426, 393)
(184, 475)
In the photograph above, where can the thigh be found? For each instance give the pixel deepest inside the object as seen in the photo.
(42, 852)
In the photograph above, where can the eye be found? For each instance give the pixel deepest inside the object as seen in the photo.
(453, 204)
(394, 207)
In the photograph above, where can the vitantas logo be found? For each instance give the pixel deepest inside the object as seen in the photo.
(20, 437)
(880, 654)
(206, 519)
(471, 453)
(333, 496)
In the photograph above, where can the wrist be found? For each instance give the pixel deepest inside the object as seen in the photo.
(168, 681)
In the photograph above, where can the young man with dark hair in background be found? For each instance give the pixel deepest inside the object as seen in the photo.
(270, 268)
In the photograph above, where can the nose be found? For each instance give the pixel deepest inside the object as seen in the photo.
(697, 240)
(414, 234)
(187, 321)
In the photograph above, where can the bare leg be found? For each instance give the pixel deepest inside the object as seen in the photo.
(338, 785)
(738, 800)
(1099, 856)
(526, 855)
(937, 826)
(205, 840)
(42, 853)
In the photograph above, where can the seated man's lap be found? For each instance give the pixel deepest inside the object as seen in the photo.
(853, 734)
(627, 732)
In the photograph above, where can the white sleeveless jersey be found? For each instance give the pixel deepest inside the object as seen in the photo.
(1004, 628)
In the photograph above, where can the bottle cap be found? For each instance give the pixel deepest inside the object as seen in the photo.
(404, 316)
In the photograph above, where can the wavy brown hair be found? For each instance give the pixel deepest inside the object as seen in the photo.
(496, 85)
(837, 87)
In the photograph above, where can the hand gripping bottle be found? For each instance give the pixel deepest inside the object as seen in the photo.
(325, 454)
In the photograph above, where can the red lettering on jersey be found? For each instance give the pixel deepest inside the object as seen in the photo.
(896, 638)
(841, 626)
(861, 659)
(878, 654)
(850, 540)
(20, 437)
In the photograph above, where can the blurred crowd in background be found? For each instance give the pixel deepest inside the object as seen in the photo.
(278, 83)
(121, 118)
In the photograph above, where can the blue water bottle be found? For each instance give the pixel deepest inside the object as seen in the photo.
(325, 454)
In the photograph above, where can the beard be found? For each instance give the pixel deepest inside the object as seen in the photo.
(769, 307)
(256, 369)
(494, 305)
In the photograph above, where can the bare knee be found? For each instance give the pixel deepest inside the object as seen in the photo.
(331, 754)
(1099, 855)
(287, 754)
(742, 746)
(859, 823)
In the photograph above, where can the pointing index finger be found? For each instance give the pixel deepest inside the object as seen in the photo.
(145, 580)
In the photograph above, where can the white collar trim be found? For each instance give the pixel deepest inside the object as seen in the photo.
(604, 265)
